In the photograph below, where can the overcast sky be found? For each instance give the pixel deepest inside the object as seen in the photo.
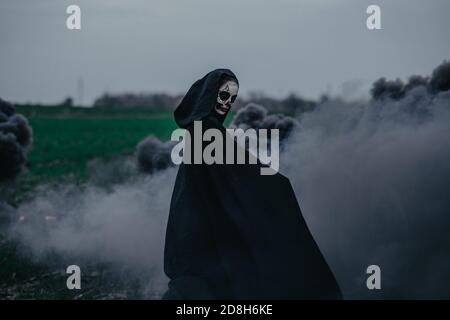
(304, 46)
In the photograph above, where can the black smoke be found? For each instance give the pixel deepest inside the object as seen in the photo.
(393, 89)
(440, 78)
(256, 117)
(397, 89)
(154, 155)
(15, 139)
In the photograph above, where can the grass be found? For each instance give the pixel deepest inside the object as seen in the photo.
(64, 146)
(66, 139)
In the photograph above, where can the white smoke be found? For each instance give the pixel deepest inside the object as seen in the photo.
(124, 226)
(373, 182)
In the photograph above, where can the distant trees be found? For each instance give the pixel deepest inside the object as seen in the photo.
(132, 100)
(291, 104)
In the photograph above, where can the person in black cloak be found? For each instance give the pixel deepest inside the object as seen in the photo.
(233, 233)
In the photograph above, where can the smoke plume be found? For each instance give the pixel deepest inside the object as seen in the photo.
(124, 226)
(15, 138)
(396, 89)
(256, 117)
(373, 181)
(154, 155)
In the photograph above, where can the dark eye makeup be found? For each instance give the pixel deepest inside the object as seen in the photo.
(224, 95)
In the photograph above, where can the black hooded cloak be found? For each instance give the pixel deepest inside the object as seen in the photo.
(233, 233)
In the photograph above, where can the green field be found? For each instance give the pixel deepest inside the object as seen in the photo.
(66, 139)
(64, 146)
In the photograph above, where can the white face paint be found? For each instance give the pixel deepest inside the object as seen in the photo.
(226, 96)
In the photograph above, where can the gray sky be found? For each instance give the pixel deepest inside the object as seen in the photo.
(308, 47)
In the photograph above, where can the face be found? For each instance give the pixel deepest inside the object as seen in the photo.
(227, 94)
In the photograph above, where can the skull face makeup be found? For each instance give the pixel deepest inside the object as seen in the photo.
(227, 94)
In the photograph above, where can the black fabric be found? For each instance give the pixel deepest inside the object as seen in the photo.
(235, 234)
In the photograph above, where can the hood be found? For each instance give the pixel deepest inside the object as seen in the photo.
(200, 100)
